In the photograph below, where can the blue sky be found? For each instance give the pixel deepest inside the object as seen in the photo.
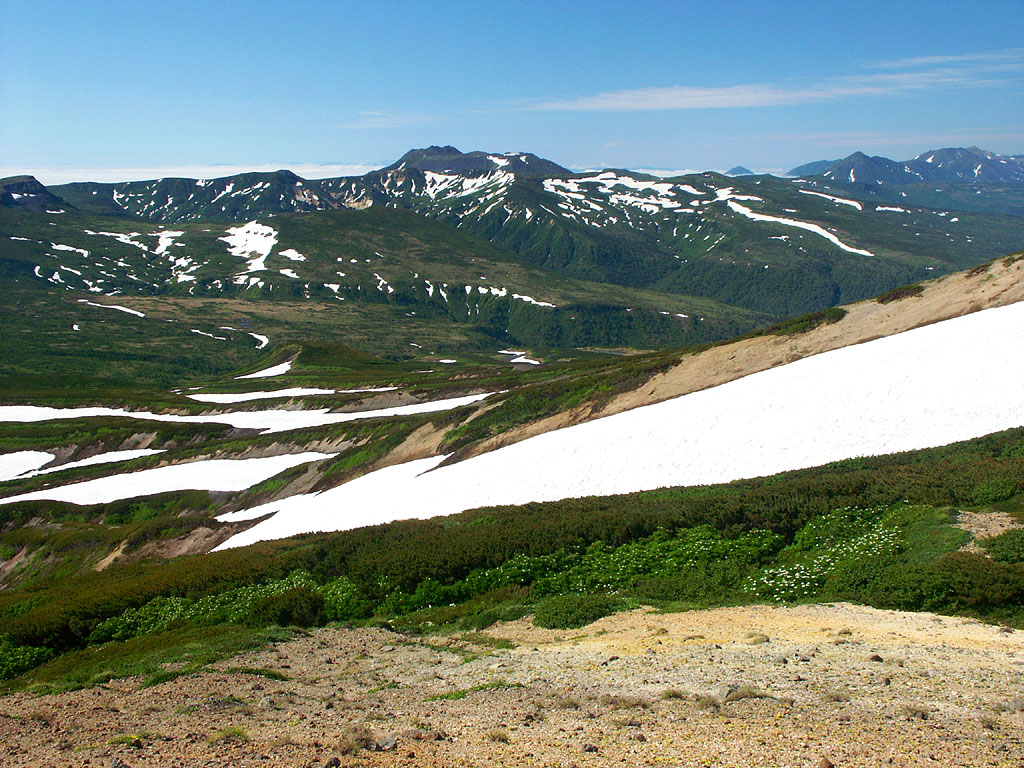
(109, 90)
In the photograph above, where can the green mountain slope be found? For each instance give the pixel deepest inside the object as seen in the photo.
(682, 235)
(383, 280)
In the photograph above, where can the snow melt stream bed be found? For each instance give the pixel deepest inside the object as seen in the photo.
(931, 386)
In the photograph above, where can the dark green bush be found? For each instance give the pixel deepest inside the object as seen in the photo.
(298, 607)
(1006, 547)
(995, 490)
(704, 584)
(572, 611)
(903, 292)
(889, 581)
(979, 584)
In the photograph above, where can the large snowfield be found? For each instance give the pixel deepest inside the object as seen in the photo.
(931, 386)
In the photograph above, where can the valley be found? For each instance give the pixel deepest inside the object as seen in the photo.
(438, 420)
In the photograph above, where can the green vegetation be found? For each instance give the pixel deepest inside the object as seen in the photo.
(572, 611)
(903, 292)
(230, 735)
(463, 692)
(874, 530)
(156, 657)
(1006, 547)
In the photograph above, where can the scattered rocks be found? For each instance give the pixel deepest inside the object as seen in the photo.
(597, 699)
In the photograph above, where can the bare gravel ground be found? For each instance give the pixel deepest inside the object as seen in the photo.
(813, 685)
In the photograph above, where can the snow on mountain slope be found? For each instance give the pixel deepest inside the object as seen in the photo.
(268, 421)
(205, 475)
(20, 462)
(893, 394)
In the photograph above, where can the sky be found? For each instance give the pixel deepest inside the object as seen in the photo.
(107, 91)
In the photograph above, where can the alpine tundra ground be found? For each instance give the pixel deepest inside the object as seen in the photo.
(811, 685)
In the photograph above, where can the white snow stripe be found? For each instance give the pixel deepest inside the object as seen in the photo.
(205, 475)
(268, 421)
(741, 209)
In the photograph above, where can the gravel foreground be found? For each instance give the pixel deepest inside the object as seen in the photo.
(815, 685)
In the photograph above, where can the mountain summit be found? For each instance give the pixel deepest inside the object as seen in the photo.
(26, 193)
(953, 164)
(448, 159)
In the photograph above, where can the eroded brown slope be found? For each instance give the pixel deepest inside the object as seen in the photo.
(994, 285)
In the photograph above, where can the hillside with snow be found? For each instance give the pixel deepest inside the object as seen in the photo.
(890, 395)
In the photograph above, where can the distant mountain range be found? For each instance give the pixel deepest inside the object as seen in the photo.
(955, 164)
(609, 257)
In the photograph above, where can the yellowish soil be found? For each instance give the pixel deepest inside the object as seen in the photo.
(749, 686)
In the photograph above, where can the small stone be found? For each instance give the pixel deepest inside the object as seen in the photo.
(723, 692)
(589, 748)
(333, 763)
(875, 657)
(387, 744)
(826, 763)
(780, 659)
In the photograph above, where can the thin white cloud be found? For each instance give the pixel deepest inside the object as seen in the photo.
(667, 173)
(386, 120)
(976, 71)
(1007, 55)
(862, 139)
(65, 174)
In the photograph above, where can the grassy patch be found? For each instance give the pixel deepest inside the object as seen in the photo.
(463, 692)
(147, 656)
(271, 674)
(233, 734)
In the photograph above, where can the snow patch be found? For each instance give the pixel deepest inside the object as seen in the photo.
(896, 394)
(242, 397)
(18, 463)
(204, 475)
(274, 370)
(118, 307)
(794, 223)
(253, 240)
(834, 199)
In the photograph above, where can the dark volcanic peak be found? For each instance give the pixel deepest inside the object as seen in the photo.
(448, 159)
(26, 193)
(739, 170)
(951, 165)
(816, 168)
